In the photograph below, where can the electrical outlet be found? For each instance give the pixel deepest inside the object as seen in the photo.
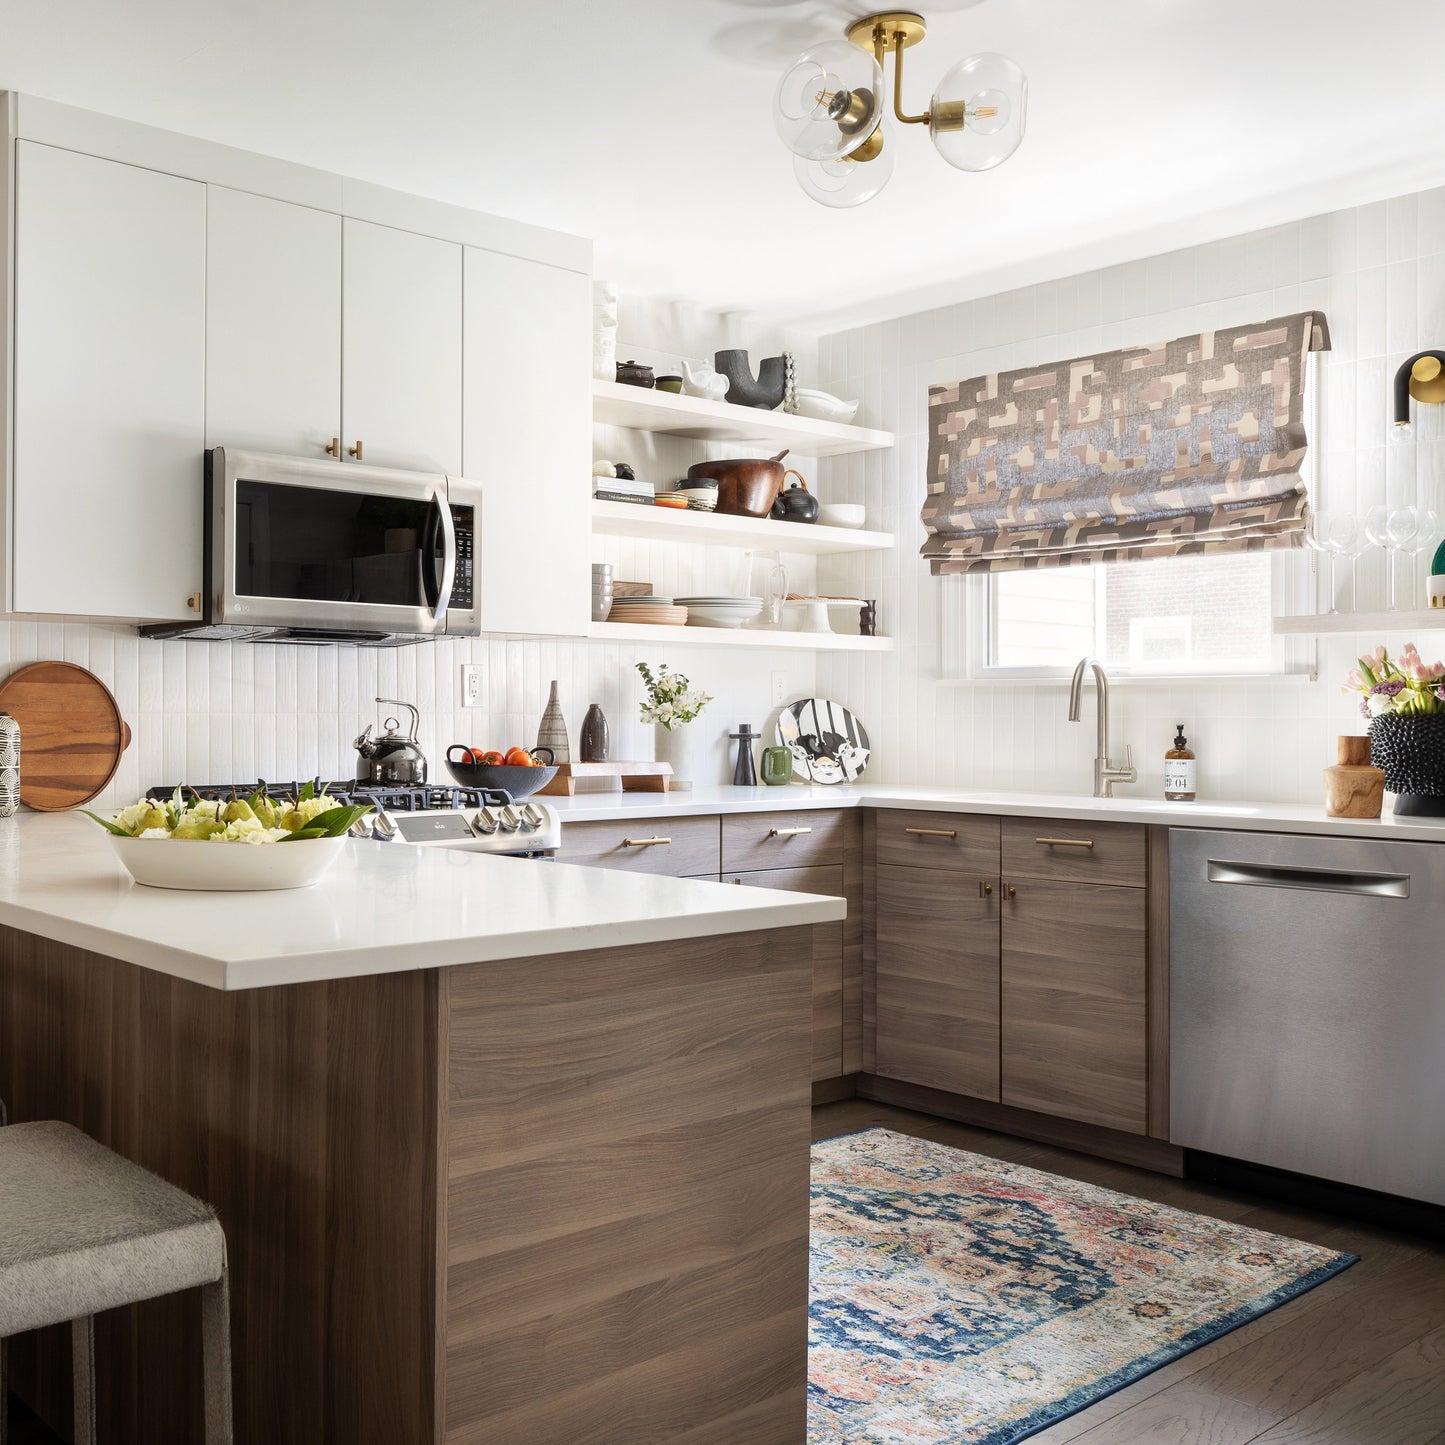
(780, 688)
(471, 684)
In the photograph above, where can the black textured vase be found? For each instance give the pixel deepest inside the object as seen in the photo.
(1411, 752)
(764, 390)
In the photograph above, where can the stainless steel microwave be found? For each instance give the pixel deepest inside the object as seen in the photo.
(305, 550)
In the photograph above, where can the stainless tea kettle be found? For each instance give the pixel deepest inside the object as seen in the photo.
(391, 758)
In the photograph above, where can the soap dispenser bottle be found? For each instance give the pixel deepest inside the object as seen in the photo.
(1179, 768)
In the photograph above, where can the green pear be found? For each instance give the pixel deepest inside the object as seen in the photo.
(238, 811)
(199, 829)
(153, 818)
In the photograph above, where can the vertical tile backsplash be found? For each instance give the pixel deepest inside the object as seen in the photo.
(1378, 273)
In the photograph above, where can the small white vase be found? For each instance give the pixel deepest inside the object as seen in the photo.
(685, 748)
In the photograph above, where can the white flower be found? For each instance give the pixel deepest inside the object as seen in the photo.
(248, 830)
(1379, 704)
(312, 808)
(155, 833)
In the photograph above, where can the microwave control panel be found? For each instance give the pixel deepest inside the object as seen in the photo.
(463, 519)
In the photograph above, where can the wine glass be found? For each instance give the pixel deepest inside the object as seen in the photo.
(1315, 537)
(1342, 539)
(1403, 531)
(1377, 531)
(1427, 527)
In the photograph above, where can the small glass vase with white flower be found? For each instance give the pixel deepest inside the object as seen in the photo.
(1404, 699)
(672, 704)
(316, 820)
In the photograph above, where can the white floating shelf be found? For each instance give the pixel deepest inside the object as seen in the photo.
(713, 529)
(1423, 619)
(640, 408)
(754, 637)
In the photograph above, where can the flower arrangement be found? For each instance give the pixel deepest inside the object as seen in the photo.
(671, 699)
(257, 819)
(1406, 687)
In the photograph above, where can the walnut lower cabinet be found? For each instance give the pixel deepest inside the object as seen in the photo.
(1003, 972)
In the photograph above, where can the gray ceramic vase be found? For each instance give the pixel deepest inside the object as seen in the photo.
(764, 390)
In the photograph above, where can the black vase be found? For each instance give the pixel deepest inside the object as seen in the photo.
(1411, 753)
(593, 744)
(765, 390)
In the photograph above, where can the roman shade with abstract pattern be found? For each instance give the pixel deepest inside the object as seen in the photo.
(1189, 446)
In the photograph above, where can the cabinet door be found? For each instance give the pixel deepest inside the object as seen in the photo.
(273, 324)
(528, 440)
(110, 355)
(1074, 1002)
(937, 979)
(827, 958)
(401, 351)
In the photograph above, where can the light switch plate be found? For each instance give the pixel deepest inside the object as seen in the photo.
(780, 688)
(471, 684)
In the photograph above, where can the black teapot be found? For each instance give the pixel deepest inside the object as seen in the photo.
(795, 503)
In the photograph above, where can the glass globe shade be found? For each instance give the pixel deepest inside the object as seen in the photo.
(843, 183)
(977, 112)
(828, 101)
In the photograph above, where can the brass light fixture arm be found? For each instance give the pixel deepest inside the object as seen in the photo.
(927, 116)
(894, 30)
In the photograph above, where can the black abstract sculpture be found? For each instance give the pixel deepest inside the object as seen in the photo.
(764, 390)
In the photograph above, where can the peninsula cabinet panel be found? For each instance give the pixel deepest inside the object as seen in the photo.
(827, 955)
(1074, 1018)
(273, 324)
(956, 842)
(937, 979)
(681, 847)
(401, 348)
(109, 391)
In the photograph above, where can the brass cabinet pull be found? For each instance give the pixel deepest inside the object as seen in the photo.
(1065, 842)
(787, 832)
(194, 601)
(643, 842)
(1011, 891)
(356, 451)
(333, 448)
(933, 832)
(985, 889)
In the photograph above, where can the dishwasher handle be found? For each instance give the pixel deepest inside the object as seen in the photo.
(1316, 880)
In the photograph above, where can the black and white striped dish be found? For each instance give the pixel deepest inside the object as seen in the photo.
(828, 744)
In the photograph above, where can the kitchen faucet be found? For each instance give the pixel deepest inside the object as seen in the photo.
(1105, 773)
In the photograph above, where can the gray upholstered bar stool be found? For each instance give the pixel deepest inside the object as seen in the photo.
(83, 1230)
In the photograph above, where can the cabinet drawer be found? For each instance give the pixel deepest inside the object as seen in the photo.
(958, 842)
(1074, 852)
(679, 846)
(782, 840)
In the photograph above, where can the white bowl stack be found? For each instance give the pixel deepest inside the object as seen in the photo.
(721, 611)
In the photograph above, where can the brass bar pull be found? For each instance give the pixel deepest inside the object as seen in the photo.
(356, 450)
(333, 448)
(1065, 842)
(933, 832)
(985, 890)
(787, 832)
(644, 842)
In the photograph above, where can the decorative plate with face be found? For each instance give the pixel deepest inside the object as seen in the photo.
(828, 744)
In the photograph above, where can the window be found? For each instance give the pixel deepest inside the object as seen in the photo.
(1176, 616)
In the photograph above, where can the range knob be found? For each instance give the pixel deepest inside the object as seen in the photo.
(486, 822)
(532, 820)
(508, 819)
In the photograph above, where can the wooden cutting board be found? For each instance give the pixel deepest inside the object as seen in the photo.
(71, 733)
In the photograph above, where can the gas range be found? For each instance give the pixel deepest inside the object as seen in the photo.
(475, 820)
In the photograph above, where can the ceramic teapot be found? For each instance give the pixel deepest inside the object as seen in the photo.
(795, 503)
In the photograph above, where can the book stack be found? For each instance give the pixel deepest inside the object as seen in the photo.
(619, 489)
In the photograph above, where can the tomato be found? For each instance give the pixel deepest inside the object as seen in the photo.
(470, 756)
(490, 759)
(519, 758)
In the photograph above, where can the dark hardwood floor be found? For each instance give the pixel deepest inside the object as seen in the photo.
(1360, 1360)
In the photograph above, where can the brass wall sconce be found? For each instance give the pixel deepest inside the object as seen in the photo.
(1423, 377)
(829, 105)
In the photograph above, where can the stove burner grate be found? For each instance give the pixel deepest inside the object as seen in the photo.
(394, 798)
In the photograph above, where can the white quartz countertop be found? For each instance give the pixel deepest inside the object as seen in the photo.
(384, 908)
(1209, 813)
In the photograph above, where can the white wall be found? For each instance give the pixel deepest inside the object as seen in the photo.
(217, 712)
(1378, 272)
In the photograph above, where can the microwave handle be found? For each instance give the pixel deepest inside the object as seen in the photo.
(440, 518)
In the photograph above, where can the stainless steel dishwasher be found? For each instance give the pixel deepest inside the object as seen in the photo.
(1307, 1005)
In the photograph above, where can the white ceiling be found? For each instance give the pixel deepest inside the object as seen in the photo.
(645, 124)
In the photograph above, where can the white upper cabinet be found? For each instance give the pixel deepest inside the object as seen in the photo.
(110, 364)
(401, 348)
(528, 431)
(273, 324)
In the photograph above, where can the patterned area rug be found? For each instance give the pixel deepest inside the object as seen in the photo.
(961, 1300)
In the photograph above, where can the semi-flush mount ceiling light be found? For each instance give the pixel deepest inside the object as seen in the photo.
(829, 105)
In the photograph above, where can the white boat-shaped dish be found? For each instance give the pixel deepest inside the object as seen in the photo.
(201, 865)
(824, 406)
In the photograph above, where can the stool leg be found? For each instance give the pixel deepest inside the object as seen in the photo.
(82, 1367)
(216, 1346)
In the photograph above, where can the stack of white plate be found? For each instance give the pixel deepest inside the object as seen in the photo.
(658, 611)
(721, 611)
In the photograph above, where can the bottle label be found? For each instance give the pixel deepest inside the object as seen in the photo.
(1179, 775)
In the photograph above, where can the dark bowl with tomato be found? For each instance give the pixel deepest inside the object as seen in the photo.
(521, 780)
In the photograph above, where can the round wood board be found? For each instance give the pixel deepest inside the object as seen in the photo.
(71, 733)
